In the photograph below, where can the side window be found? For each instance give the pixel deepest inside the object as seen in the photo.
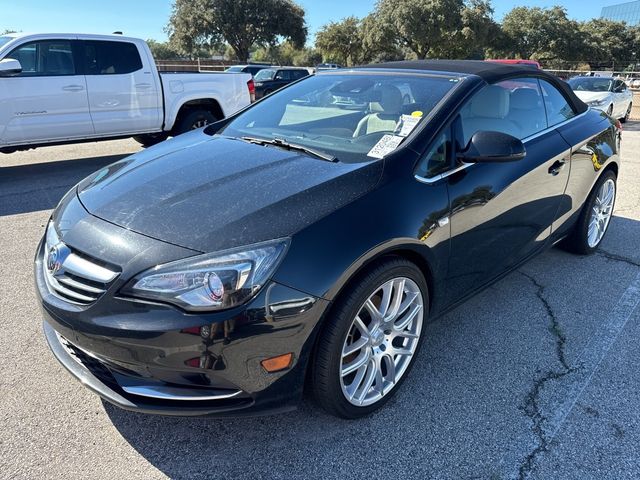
(558, 109)
(513, 106)
(283, 75)
(45, 58)
(111, 58)
(298, 74)
(620, 86)
(437, 160)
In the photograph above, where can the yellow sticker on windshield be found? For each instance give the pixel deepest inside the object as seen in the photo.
(417, 113)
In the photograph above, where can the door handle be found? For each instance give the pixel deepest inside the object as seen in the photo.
(143, 86)
(73, 88)
(556, 167)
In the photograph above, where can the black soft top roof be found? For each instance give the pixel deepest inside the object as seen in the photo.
(490, 72)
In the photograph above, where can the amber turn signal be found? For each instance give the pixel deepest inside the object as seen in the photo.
(275, 364)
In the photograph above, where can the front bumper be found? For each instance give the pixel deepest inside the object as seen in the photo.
(156, 358)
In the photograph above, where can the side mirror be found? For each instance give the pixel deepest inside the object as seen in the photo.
(493, 147)
(10, 67)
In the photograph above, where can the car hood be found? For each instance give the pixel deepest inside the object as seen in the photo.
(590, 96)
(211, 193)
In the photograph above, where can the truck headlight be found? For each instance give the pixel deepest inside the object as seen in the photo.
(212, 281)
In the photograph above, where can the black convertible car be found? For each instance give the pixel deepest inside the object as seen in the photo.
(304, 242)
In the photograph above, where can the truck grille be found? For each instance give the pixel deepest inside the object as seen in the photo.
(72, 276)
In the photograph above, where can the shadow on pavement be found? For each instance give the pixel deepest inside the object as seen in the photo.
(40, 186)
(631, 126)
(460, 414)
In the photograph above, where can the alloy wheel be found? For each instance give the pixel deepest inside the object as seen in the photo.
(381, 341)
(601, 212)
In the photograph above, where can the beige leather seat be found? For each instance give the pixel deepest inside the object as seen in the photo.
(488, 111)
(384, 115)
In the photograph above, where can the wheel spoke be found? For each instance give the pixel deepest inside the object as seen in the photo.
(367, 382)
(364, 331)
(376, 316)
(387, 291)
(355, 346)
(357, 381)
(394, 308)
(408, 318)
(360, 360)
(391, 368)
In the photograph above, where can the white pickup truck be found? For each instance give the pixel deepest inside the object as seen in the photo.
(66, 88)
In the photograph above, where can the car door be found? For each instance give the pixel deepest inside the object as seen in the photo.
(622, 99)
(501, 213)
(123, 94)
(47, 101)
(282, 78)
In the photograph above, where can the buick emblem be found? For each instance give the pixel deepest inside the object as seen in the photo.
(55, 258)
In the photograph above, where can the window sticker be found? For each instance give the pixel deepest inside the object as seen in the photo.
(385, 146)
(407, 124)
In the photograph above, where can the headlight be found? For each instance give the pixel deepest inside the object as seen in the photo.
(212, 281)
(597, 103)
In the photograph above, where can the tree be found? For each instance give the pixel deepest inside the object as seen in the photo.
(341, 42)
(240, 23)
(607, 41)
(7, 31)
(423, 26)
(543, 34)
(162, 50)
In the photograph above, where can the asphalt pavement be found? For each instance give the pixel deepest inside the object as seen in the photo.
(537, 377)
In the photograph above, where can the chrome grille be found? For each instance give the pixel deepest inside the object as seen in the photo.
(70, 275)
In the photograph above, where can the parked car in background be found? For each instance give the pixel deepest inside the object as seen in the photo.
(608, 94)
(299, 244)
(517, 61)
(251, 69)
(634, 83)
(328, 66)
(271, 79)
(58, 88)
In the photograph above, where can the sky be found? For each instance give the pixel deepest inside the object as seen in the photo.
(147, 18)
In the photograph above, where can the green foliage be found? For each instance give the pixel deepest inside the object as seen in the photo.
(162, 50)
(7, 31)
(195, 24)
(286, 53)
(341, 42)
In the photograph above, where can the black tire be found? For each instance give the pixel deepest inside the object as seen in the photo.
(193, 120)
(627, 115)
(577, 241)
(150, 139)
(325, 367)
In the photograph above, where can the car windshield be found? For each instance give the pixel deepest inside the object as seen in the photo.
(4, 40)
(237, 69)
(591, 84)
(345, 115)
(266, 74)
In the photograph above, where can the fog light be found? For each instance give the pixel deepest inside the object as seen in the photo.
(275, 364)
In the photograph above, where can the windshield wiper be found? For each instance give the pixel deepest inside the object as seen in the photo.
(278, 142)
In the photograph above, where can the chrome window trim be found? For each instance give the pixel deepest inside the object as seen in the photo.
(441, 176)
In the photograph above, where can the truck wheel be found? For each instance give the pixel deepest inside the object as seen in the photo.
(194, 120)
(150, 139)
